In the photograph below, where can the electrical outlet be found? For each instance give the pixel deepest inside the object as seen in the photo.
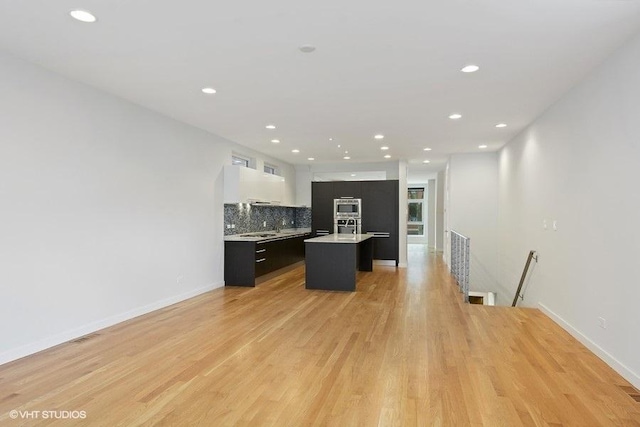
(233, 226)
(544, 224)
(228, 226)
(264, 223)
(602, 322)
(179, 279)
(555, 225)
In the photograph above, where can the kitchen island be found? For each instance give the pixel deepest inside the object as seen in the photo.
(333, 261)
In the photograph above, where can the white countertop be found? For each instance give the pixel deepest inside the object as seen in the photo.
(267, 235)
(340, 238)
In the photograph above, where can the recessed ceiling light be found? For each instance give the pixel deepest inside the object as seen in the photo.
(387, 156)
(275, 141)
(353, 174)
(426, 161)
(482, 146)
(270, 126)
(307, 48)
(346, 157)
(427, 149)
(470, 69)
(310, 158)
(295, 150)
(330, 139)
(339, 145)
(384, 148)
(455, 116)
(379, 136)
(501, 125)
(208, 90)
(83, 16)
(346, 152)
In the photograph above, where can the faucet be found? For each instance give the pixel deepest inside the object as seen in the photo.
(346, 224)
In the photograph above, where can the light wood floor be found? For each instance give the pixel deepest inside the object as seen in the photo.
(401, 351)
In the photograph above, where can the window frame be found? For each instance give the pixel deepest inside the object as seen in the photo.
(420, 224)
(239, 160)
(273, 170)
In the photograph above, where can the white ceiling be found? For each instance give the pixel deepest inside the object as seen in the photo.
(380, 66)
(350, 176)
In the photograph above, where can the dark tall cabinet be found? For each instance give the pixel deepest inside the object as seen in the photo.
(379, 211)
(321, 208)
(380, 217)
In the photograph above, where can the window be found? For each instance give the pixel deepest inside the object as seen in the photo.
(416, 193)
(270, 169)
(415, 210)
(238, 160)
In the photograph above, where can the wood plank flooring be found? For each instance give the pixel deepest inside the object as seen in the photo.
(401, 351)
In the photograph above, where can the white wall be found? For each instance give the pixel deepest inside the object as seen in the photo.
(431, 213)
(446, 241)
(108, 210)
(579, 164)
(304, 176)
(473, 212)
(440, 210)
(402, 213)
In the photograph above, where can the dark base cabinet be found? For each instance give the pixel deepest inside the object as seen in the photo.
(240, 263)
(385, 246)
(245, 261)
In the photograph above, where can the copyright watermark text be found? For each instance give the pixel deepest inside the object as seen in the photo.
(47, 415)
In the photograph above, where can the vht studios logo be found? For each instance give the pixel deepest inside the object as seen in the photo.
(48, 415)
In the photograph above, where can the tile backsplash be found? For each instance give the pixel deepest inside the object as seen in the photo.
(250, 218)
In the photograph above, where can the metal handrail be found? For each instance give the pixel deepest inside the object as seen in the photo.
(532, 255)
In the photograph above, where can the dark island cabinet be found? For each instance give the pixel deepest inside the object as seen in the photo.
(379, 211)
(244, 261)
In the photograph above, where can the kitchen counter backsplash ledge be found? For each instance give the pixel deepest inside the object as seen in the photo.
(248, 218)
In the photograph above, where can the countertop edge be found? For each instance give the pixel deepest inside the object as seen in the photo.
(333, 238)
(247, 239)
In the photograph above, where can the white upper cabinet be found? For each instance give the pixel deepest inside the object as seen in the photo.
(246, 185)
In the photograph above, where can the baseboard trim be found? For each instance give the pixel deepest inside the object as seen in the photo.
(618, 366)
(389, 262)
(43, 344)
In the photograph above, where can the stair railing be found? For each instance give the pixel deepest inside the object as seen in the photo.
(460, 260)
(532, 255)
